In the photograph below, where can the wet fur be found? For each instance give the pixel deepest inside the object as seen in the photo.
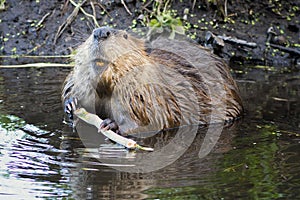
(151, 86)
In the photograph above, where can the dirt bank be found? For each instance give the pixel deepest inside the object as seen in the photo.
(31, 27)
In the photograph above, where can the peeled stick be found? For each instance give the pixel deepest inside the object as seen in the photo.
(96, 121)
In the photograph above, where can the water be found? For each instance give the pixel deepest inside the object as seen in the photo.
(41, 157)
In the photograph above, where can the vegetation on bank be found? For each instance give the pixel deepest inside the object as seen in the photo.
(192, 18)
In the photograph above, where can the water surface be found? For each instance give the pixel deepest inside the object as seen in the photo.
(42, 158)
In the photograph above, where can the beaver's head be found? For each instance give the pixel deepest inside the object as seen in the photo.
(108, 45)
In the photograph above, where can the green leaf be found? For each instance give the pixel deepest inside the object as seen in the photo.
(153, 23)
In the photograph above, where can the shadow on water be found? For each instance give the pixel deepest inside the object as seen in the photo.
(42, 158)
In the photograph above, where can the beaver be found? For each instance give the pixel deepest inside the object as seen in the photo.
(139, 85)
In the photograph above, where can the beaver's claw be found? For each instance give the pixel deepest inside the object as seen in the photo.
(71, 105)
(109, 124)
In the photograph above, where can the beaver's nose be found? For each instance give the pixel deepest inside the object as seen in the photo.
(102, 33)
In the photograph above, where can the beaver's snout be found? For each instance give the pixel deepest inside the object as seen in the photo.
(102, 33)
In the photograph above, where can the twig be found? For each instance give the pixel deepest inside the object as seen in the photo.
(166, 5)
(37, 65)
(93, 8)
(37, 46)
(69, 20)
(65, 6)
(103, 8)
(126, 8)
(225, 8)
(42, 20)
(238, 41)
(286, 49)
(194, 3)
(144, 7)
(96, 121)
(85, 13)
(30, 56)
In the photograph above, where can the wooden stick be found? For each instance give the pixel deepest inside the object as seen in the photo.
(286, 49)
(37, 65)
(38, 56)
(96, 121)
(238, 41)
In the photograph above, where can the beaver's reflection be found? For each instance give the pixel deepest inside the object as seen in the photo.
(99, 175)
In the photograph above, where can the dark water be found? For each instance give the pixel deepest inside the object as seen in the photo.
(41, 158)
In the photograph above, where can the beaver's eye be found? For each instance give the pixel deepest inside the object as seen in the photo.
(125, 36)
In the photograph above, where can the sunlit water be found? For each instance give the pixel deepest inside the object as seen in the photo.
(41, 157)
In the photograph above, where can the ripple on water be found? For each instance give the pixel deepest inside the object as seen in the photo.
(259, 158)
(30, 166)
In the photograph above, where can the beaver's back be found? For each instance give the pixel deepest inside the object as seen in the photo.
(210, 76)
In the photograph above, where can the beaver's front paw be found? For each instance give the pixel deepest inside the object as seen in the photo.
(109, 124)
(71, 105)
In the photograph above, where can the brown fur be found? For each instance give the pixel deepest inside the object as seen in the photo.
(152, 86)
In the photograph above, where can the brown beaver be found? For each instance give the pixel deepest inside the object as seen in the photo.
(150, 86)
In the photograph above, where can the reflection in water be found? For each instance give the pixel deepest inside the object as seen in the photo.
(41, 158)
(26, 163)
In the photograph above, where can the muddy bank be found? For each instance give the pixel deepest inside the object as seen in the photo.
(31, 27)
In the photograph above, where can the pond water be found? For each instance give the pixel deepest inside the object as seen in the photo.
(42, 158)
